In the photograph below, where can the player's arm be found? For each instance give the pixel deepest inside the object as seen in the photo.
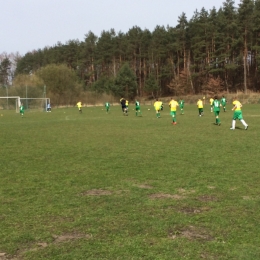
(235, 106)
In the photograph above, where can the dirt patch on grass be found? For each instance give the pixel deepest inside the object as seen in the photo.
(183, 191)
(192, 233)
(189, 210)
(69, 237)
(206, 198)
(166, 196)
(144, 186)
(96, 192)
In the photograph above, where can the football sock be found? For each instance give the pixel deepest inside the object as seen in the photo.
(233, 124)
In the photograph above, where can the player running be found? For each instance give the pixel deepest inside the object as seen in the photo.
(21, 110)
(137, 108)
(237, 114)
(211, 104)
(157, 106)
(181, 104)
(123, 105)
(200, 107)
(223, 103)
(107, 106)
(216, 109)
(79, 105)
(173, 107)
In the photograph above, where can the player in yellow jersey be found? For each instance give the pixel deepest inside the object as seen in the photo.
(79, 105)
(237, 114)
(211, 104)
(157, 106)
(200, 107)
(173, 107)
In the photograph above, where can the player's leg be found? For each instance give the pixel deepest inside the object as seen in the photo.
(173, 114)
(240, 117)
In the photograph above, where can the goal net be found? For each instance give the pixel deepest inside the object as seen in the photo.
(12, 103)
(39, 104)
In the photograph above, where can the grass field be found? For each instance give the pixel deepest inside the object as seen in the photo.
(107, 186)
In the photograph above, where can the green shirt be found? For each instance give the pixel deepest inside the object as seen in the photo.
(137, 104)
(107, 104)
(216, 105)
(181, 102)
(223, 100)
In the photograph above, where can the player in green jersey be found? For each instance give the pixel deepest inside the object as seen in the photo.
(216, 109)
(223, 103)
(21, 110)
(107, 106)
(181, 104)
(137, 108)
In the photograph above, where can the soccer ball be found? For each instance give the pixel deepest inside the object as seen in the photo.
(148, 108)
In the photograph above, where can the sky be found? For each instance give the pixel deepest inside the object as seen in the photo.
(27, 25)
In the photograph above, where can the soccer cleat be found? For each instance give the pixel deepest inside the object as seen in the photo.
(231, 128)
(246, 127)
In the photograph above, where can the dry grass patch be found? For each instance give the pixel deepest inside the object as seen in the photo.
(188, 210)
(166, 196)
(206, 198)
(144, 186)
(96, 192)
(192, 233)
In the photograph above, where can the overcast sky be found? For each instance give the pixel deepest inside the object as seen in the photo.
(27, 25)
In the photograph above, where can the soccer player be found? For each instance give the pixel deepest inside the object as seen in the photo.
(181, 104)
(237, 114)
(157, 106)
(216, 108)
(107, 106)
(173, 107)
(137, 108)
(223, 103)
(200, 107)
(123, 105)
(211, 104)
(161, 106)
(48, 107)
(79, 105)
(126, 105)
(21, 110)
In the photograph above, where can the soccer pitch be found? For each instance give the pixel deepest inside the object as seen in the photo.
(108, 186)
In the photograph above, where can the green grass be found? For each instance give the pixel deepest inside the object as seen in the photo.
(117, 187)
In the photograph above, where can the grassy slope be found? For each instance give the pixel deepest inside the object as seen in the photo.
(50, 161)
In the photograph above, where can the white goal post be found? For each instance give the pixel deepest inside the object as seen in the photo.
(14, 102)
(11, 102)
(35, 103)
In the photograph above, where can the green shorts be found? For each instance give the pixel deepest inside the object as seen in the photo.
(238, 115)
(173, 113)
(216, 113)
(200, 110)
(181, 107)
(137, 108)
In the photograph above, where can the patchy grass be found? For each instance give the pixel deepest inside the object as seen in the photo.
(107, 186)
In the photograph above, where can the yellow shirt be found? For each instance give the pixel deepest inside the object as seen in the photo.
(79, 104)
(237, 104)
(157, 105)
(200, 104)
(211, 101)
(126, 102)
(173, 105)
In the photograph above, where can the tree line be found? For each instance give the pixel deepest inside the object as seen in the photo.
(215, 51)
